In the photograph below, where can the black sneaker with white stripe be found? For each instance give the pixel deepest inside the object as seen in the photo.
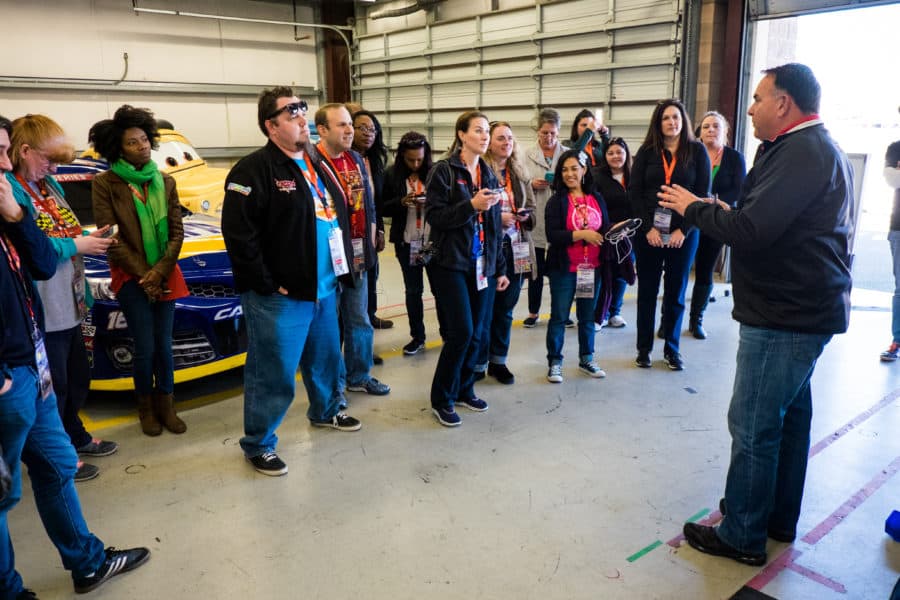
(268, 463)
(115, 563)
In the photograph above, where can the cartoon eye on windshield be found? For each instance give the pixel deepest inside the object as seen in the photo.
(170, 160)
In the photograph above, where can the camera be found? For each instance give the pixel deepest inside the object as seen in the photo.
(427, 253)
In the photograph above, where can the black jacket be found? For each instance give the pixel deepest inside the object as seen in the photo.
(269, 224)
(559, 237)
(38, 261)
(392, 192)
(448, 209)
(730, 178)
(789, 236)
(615, 196)
(647, 175)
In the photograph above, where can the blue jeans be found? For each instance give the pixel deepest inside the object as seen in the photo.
(562, 293)
(462, 311)
(618, 297)
(150, 324)
(31, 431)
(651, 262)
(894, 240)
(283, 332)
(71, 374)
(414, 284)
(769, 420)
(358, 333)
(502, 312)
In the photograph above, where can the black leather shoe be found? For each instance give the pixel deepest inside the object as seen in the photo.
(674, 362)
(479, 375)
(696, 329)
(379, 323)
(501, 374)
(377, 360)
(643, 360)
(705, 539)
(786, 537)
(660, 333)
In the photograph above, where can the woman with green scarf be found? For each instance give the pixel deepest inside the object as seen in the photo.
(143, 203)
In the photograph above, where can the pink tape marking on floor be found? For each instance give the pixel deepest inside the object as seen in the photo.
(835, 518)
(887, 400)
(788, 560)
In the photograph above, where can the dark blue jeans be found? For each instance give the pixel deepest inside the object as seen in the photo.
(71, 374)
(414, 284)
(502, 312)
(651, 262)
(150, 324)
(31, 432)
(562, 293)
(708, 250)
(769, 420)
(462, 311)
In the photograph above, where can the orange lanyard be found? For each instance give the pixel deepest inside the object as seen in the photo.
(668, 168)
(344, 183)
(480, 226)
(46, 203)
(142, 196)
(718, 159)
(417, 188)
(590, 152)
(507, 184)
(312, 178)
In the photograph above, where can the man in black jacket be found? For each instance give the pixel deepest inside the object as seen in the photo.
(285, 224)
(30, 427)
(791, 274)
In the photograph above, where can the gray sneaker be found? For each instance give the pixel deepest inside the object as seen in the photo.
(554, 375)
(592, 369)
(372, 386)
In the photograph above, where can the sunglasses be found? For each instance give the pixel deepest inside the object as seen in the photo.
(293, 109)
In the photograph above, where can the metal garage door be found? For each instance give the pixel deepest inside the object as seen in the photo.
(617, 55)
(769, 9)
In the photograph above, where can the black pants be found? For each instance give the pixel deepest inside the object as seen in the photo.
(71, 375)
(536, 285)
(651, 262)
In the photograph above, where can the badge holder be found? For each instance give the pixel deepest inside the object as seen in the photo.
(43, 363)
(662, 221)
(521, 252)
(584, 281)
(338, 256)
(481, 281)
(359, 255)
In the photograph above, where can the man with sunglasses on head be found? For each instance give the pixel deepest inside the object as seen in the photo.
(31, 430)
(286, 229)
(335, 127)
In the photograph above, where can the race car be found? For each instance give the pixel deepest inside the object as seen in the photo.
(209, 332)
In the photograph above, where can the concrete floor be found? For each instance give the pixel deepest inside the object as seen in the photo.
(571, 491)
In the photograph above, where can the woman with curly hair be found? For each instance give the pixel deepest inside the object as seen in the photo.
(143, 203)
(404, 202)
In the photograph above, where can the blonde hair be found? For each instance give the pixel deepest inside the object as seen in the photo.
(514, 162)
(37, 130)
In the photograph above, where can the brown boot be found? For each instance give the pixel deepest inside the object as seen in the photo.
(149, 424)
(165, 411)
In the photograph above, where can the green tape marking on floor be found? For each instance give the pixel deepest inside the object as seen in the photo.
(698, 516)
(644, 551)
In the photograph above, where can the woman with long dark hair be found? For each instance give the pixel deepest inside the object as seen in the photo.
(728, 173)
(143, 203)
(462, 207)
(669, 155)
(404, 202)
(611, 178)
(586, 119)
(576, 218)
(368, 141)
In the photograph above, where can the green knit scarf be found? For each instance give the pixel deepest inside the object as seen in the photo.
(154, 214)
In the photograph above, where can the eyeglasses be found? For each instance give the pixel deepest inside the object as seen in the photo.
(293, 109)
(365, 129)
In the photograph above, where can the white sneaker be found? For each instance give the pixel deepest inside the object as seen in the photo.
(617, 321)
(598, 327)
(554, 375)
(592, 369)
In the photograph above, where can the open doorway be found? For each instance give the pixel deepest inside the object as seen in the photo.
(853, 54)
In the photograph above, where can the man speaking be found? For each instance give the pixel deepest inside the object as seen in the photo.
(791, 276)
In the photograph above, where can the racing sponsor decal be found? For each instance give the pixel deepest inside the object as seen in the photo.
(228, 313)
(240, 189)
(286, 185)
(117, 320)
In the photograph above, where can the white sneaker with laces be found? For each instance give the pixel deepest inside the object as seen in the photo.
(617, 321)
(592, 369)
(554, 375)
